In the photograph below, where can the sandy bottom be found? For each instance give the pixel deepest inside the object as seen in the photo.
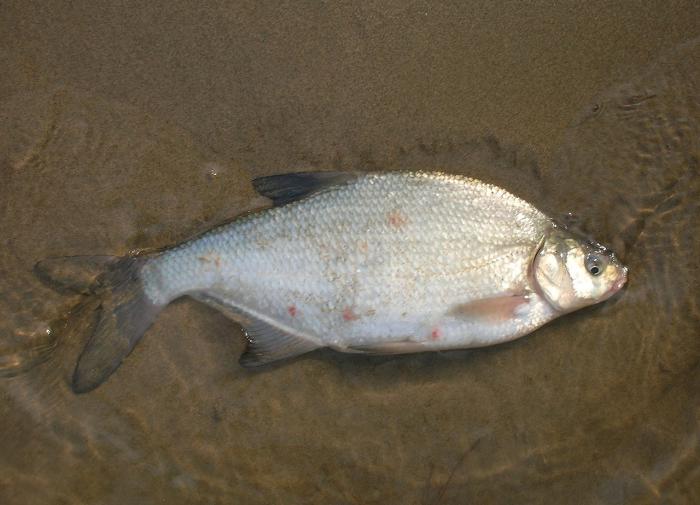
(126, 129)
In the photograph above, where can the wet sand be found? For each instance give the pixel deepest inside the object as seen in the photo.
(128, 128)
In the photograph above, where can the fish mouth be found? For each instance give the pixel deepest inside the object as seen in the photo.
(619, 282)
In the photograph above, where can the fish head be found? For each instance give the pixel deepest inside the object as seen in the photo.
(573, 272)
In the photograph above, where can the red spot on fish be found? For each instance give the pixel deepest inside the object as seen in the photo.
(349, 315)
(292, 310)
(435, 334)
(396, 219)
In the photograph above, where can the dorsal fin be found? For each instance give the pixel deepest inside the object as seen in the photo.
(286, 188)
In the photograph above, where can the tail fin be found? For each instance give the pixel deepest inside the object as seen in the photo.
(125, 311)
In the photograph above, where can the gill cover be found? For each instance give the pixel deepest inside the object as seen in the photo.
(573, 272)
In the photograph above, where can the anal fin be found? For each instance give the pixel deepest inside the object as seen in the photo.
(266, 342)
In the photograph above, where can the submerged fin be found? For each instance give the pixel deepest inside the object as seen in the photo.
(126, 314)
(266, 343)
(125, 311)
(286, 188)
(77, 274)
(25, 348)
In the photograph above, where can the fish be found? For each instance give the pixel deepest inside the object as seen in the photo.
(378, 263)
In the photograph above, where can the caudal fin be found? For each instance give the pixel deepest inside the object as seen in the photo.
(125, 313)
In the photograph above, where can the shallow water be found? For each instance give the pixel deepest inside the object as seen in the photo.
(601, 405)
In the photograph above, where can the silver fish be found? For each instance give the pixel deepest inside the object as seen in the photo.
(377, 263)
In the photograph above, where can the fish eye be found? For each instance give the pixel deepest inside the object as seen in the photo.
(595, 264)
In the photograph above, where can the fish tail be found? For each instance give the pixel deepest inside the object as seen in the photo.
(125, 311)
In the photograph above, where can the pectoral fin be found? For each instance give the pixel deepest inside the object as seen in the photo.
(496, 309)
(399, 347)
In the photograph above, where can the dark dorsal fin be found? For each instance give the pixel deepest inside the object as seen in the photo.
(285, 188)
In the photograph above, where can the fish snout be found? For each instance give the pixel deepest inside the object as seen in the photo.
(619, 282)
